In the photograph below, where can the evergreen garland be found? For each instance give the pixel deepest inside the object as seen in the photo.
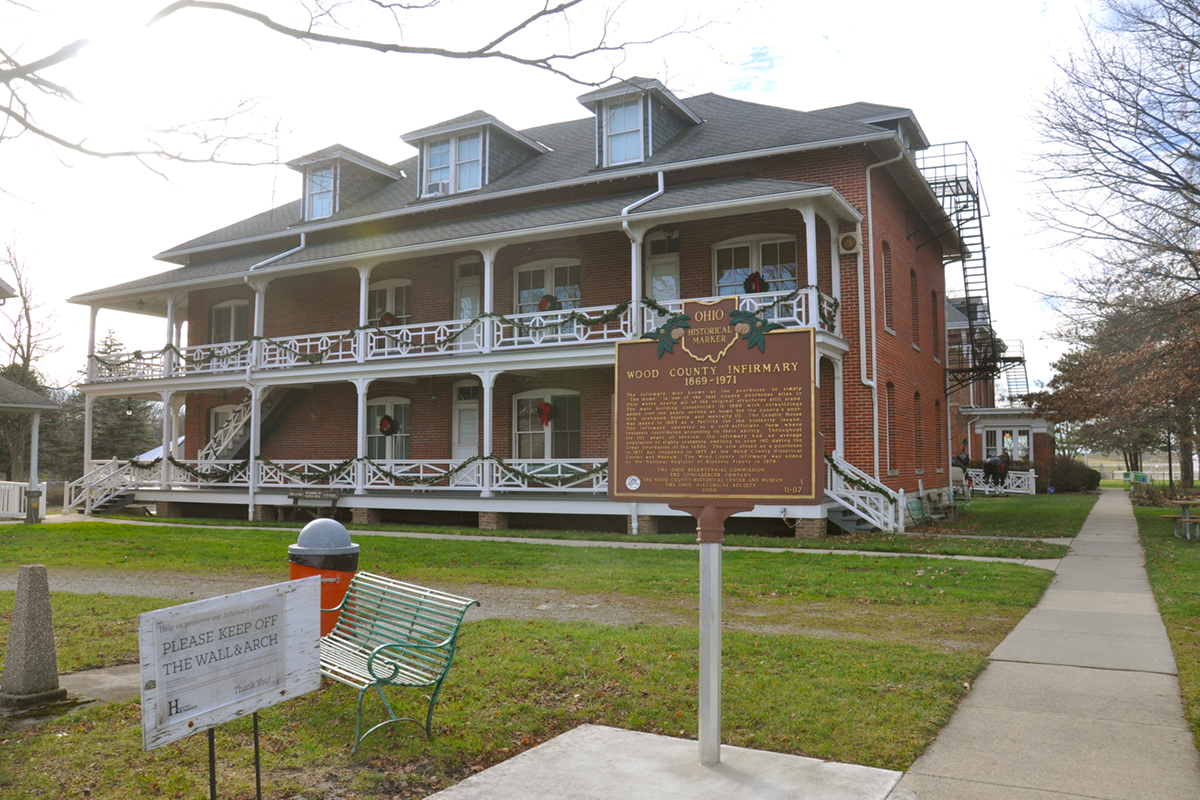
(858, 483)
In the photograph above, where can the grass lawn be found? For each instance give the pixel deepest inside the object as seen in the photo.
(1174, 569)
(890, 647)
(1035, 516)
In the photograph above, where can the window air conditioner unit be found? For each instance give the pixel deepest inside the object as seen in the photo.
(849, 244)
(437, 189)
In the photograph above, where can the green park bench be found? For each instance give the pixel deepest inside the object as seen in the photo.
(390, 633)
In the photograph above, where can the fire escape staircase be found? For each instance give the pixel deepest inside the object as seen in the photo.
(231, 442)
(953, 173)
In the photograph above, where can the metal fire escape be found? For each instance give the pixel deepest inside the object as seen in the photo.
(952, 171)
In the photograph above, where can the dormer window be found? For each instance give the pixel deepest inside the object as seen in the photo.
(623, 132)
(454, 164)
(320, 191)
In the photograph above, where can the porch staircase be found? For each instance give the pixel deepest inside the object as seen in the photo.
(232, 440)
(863, 503)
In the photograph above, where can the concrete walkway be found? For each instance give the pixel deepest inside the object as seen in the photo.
(1081, 701)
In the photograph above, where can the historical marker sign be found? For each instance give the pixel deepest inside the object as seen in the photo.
(718, 411)
(212, 661)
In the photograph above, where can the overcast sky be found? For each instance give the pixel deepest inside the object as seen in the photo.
(969, 71)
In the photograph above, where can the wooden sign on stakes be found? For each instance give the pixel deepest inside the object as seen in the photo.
(715, 412)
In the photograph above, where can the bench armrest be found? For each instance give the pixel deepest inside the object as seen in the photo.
(401, 646)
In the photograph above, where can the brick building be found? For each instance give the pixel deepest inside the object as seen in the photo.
(434, 338)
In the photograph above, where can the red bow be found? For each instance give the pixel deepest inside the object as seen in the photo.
(544, 409)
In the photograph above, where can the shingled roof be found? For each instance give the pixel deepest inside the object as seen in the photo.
(14, 397)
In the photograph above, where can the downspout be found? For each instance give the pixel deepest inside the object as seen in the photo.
(635, 249)
(873, 383)
(273, 259)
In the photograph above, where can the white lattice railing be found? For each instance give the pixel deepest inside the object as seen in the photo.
(215, 474)
(1014, 483)
(316, 348)
(877, 505)
(127, 367)
(431, 474)
(423, 339)
(289, 474)
(799, 312)
(569, 475)
(13, 502)
(208, 359)
(542, 328)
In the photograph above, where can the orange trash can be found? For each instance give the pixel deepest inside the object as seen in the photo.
(324, 549)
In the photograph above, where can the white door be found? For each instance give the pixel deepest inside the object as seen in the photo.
(466, 434)
(466, 300)
(662, 284)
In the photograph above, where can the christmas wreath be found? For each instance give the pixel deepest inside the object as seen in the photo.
(549, 303)
(754, 283)
(387, 320)
(546, 410)
(387, 425)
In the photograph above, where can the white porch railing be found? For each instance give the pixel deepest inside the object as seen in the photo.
(543, 328)
(805, 310)
(13, 502)
(318, 348)
(878, 505)
(107, 481)
(567, 475)
(422, 476)
(214, 473)
(1014, 483)
(401, 341)
(311, 474)
(208, 359)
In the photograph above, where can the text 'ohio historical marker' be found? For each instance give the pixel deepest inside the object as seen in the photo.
(717, 410)
(212, 661)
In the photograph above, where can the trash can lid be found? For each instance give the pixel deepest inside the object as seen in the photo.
(324, 536)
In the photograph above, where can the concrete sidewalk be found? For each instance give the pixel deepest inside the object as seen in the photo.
(1081, 701)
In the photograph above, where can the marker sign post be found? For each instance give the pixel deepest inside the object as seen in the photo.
(215, 660)
(715, 412)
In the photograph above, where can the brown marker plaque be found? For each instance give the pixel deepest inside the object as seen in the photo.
(713, 421)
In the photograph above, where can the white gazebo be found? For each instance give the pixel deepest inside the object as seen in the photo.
(16, 399)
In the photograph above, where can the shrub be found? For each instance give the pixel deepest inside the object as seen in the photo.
(1071, 475)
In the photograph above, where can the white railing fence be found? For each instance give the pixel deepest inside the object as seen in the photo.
(13, 503)
(546, 328)
(573, 475)
(1014, 483)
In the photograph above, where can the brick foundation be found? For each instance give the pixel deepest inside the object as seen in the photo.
(165, 509)
(646, 525)
(365, 516)
(810, 528)
(493, 521)
(264, 513)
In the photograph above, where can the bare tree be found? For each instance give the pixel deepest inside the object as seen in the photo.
(518, 36)
(28, 335)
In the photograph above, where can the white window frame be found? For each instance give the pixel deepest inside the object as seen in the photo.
(403, 436)
(390, 286)
(227, 408)
(547, 267)
(231, 332)
(310, 195)
(456, 164)
(755, 245)
(608, 133)
(546, 396)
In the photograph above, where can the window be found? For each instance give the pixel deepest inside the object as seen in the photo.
(396, 446)
(454, 165)
(561, 438)
(774, 259)
(623, 132)
(388, 297)
(989, 445)
(890, 417)
(939, 439)
(231, 322)
(916, 308)
(889, 305)
(918, 433)
(557, 277)
(218, 416)
(1014, 442)
(469, 162)
(320, 193)
(934, 316)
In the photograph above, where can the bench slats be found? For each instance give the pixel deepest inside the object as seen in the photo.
(391, 633)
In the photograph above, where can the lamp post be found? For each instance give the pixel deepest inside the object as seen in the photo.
(1170, 466)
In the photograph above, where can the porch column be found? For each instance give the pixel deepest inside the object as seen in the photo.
(364, 313)
(836, 276)
(839, 411)
(810, 241)
(487, 381)
(489, 298)
(168, 367)
(91, 364)
(33, 497)
(636, 236)
(256, 393)
(360, 469)
(88, 402)
(168, 439)
(260, 311)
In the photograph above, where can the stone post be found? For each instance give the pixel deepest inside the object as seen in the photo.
(30, 675)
